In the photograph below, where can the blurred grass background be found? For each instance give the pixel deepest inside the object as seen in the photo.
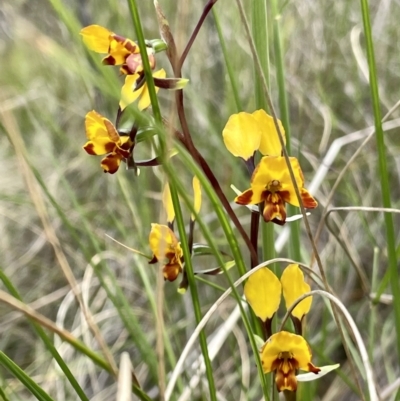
(48, 82)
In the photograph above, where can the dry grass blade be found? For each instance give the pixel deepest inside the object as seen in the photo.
(14, 134)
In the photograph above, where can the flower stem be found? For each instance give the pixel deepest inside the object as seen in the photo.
(383, 170)
(193, 289)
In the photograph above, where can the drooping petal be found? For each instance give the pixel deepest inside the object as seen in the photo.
(285, 377)
(97, 132)
(274, 208)
(197, 196)
(167, 203)
(171, 271)
(96, 38)
(263, 292)
(128, 95)
(247, 198)
(111, 162)
(270, 143)
(242, 135)
(162, 241)
(308, 201)
(294, 286)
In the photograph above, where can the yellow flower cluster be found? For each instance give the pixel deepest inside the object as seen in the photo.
(283, 352)
(271, 184)
(163, 242)
(123, 52)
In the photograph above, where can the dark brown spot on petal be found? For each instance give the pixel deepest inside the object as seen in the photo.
(153, 260)
(130, 46)
(313, 368)
(110, 163)
(244, 198)
(118, 38)
(89, 147)
(171, 271)
(308, 201)
(109, 60)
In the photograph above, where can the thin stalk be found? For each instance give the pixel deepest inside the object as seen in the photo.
(108, 280)
(372, 315)
(227, 59)
(185, 137)
(294, 243)
(14, 369)
(383, 170)
(291, 173)
(145, 59)
(261, 43)
(193, 289)
(233, 244)
(46, 340)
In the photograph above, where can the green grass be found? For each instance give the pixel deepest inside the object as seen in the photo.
(315, 57)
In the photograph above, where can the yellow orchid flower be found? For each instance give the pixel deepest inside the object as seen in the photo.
(245, 133)
(104, 139)
(294, 286)
(120, 50)
(263, 292)
(167, 249)
(284, 353)
(129, 92)
(271, 184)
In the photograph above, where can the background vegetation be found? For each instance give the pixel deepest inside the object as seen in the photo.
(58, 210)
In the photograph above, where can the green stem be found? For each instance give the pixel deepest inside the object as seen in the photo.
(33, 387)
(233, 244)
(260, 35)
(383, 170)
(46, 340)
(229, 68)
(193, 288)
(145, 60)
(294, 243)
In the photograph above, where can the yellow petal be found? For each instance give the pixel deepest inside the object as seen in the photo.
(197, 196)
(263, 292)
(96, 38)
(119, 49)
(128, 96)
(284, 341)
(97, 131)
(167, 203)
(242, 135)
(270, 143)
(144, 101)
(162, 241)
(294, 286)
(274, 168)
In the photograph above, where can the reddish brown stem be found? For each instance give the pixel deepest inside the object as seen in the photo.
(203, 16)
